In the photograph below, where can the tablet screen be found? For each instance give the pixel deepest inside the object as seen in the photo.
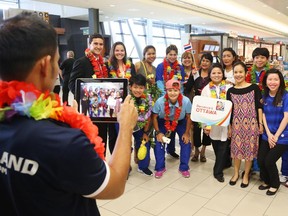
(100, 99)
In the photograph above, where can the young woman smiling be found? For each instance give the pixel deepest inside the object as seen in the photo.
(217, 88)
(246, 124)
(275, 137)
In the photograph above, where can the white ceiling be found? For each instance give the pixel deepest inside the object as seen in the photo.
(221, 15)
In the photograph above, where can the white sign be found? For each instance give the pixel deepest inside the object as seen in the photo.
(211, 111)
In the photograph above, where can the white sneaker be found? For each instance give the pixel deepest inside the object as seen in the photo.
(283, 178)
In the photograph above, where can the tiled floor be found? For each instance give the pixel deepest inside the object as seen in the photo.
(199, 195)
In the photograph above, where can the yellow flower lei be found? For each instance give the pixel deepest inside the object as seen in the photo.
(222, 86)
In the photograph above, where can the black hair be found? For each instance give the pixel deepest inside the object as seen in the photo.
(260, 51)
(96, 35)
(138, 79)
(242, 64)
(145, 50)
(216, 65)
(281, 89)
(170, 48)
(113, 59)
(207, 56)
(229, 49)
(24, 39)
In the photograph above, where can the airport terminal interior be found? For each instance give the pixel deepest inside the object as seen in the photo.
(209, 26)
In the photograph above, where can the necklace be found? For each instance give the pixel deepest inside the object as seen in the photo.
(170, 73)
(144, 109)
(20, 98)
(116, 73)
(222, 93)
(99, 68)
(251, 75)
(172, 126)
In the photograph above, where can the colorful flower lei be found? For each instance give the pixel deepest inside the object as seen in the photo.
(170, 73)
(155, 92)
(20, 98)
(251, 75)
(144, 109)
(222, 94)
(116, 73)
(286, 81)
(99, 68)
(187, 75)
(171, 127)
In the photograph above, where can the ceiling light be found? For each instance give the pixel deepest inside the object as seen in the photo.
(133, 9)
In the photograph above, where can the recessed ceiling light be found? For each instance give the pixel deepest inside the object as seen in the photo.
(112, 5)
(133, 9)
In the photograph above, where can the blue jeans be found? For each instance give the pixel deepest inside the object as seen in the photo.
(185, 149)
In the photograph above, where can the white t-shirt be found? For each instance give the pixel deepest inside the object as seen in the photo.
(229, 76)
(217, 132)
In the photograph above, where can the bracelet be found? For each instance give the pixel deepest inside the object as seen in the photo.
(261, 124)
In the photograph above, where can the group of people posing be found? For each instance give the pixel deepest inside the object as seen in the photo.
(258, 97)
(58, 157)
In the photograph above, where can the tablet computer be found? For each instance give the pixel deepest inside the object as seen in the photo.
(100, 99)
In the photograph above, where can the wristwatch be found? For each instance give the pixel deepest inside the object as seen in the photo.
(157, 132)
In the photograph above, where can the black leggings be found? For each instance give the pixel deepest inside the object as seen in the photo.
(267, 158)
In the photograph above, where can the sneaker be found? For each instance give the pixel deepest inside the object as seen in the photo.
(146, 171)
(185, 174)
(283, 178)
(174, 155)
(159, 174)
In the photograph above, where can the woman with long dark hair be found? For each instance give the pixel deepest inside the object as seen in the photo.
(275, 137)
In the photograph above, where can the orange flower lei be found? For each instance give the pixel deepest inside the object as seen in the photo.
(171, 127)
(20, 98)
(169, 72)
(99, 68)
(222, 94)
(116, 73)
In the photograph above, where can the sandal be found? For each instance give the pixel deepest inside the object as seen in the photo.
(195, 158)
(203, 158)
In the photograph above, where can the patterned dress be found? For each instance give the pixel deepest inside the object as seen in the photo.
(245, 128)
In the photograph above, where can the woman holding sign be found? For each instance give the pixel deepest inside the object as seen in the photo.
(246, 124)
(217, 88)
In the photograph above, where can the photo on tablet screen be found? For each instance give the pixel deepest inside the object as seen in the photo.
(100, 99)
